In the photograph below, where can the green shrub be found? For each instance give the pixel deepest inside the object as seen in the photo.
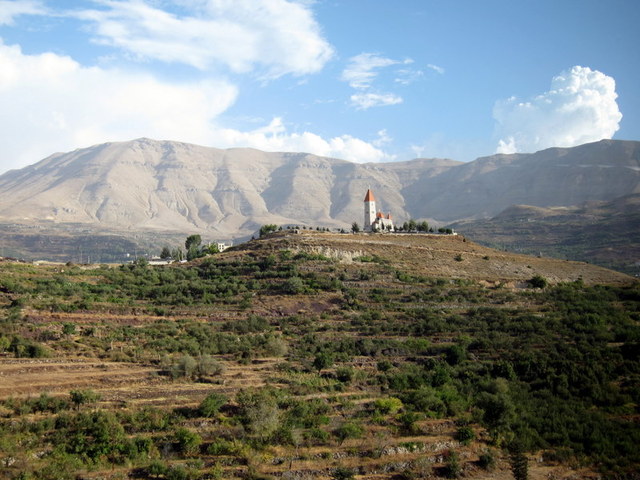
(487, 460)
(390, 405)
(187, 442)
(348, 430)
(537, 281)
(211, 405)
(345, 374)
(83, 397)
(465, 434)
(344, 473)
(452, 467)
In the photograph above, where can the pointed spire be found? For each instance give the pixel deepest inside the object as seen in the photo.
(369, 196)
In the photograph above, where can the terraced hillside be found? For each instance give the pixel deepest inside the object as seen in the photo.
(320, 356)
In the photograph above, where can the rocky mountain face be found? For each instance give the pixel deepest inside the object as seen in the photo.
(147, 185)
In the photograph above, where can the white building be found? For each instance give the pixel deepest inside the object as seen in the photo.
(375, 221)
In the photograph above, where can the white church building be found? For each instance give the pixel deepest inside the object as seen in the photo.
(375, 221)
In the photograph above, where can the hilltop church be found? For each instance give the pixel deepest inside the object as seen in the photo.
(375, 221)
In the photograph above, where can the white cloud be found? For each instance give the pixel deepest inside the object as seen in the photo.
(580, 107)
(363, 101)
(51, 104)
(275, 138)
(9, 9)
(436, 68)
(272, 37)
(362, 69)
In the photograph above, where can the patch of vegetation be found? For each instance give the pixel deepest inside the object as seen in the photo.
(286, 358)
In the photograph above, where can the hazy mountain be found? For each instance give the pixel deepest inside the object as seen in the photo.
(605, 233)
(170, 186)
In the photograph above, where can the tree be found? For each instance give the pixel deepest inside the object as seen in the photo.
(207, 366)
(81, 397)
(323, 360)
(259, 412)
(212, 249)
(518, 462)
(188, 442)
(355, 228)
(68, 328)
(192, 241)
(177, 254)
(267, 229)
(412, 225)
(348, 430)
(166, 253)
(186, 366)
(452, 468)
(423, 226)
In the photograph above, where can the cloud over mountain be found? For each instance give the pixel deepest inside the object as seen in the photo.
(64, 105)
(579, 107)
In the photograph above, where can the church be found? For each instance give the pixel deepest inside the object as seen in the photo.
(375, 221)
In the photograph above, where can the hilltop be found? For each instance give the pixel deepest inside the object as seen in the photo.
(435, 255)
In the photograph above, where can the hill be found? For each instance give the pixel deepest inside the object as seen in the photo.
(320, 356)
(604, 233)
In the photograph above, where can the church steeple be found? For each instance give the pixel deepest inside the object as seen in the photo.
(369, 196)
(369, 210)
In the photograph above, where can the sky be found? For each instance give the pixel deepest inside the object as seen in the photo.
(360, 80)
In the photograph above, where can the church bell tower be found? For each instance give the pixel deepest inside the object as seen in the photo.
(369, 210)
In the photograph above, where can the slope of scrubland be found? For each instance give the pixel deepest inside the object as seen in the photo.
(321, 356)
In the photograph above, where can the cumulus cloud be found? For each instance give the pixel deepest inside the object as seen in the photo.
(580, 107)
(272, 37)
(9, 9)
(275, 137)
(51, 103)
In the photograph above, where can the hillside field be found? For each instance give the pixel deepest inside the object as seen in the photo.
(326, 356)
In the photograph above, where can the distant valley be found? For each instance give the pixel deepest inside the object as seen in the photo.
(604, 233)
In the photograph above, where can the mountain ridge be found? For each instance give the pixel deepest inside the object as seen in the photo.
(153, 185)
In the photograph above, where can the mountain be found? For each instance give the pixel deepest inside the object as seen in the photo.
(162, 186)
(153, 185)
(604, 233)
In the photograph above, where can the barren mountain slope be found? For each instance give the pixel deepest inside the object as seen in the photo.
(146, 184)
(169, 186)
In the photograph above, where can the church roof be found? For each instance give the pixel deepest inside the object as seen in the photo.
(369, 196)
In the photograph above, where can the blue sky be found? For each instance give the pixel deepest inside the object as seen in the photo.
(362, 80)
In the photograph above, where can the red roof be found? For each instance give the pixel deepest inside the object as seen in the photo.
(369, 196)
